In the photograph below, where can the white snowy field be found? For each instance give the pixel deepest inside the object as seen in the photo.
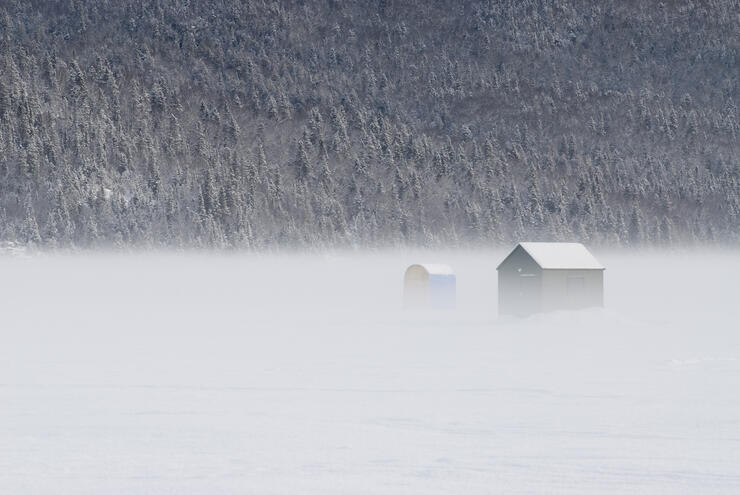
(183, 374)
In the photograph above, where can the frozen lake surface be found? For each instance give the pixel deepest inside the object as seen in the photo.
(301, 375)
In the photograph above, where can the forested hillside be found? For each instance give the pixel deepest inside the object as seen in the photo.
(256, 123)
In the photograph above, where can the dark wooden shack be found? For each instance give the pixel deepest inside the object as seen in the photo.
(545, 276)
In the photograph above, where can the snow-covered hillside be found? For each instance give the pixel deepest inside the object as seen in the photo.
(286, 375)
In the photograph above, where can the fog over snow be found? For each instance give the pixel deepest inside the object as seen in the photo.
(301, 374)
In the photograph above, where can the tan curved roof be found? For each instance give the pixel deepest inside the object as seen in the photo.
(436, 268)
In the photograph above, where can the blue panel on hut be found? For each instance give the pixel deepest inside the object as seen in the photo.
(442, 291)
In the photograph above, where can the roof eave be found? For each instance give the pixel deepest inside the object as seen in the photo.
(519, 244)
(573, 268)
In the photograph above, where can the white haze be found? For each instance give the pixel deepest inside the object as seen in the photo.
(301, 375)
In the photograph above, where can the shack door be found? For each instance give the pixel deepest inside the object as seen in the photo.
(528, 294)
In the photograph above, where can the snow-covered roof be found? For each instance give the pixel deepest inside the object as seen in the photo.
(437, 269)
(561, 255)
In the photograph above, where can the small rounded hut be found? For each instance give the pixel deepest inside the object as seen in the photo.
(429, 286)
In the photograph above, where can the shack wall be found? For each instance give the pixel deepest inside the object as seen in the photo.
(572, 289)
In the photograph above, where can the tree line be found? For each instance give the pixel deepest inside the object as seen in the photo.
(258, 124)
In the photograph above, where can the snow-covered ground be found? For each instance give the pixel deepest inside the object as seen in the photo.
(301, 375)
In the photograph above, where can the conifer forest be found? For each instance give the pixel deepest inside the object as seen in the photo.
(261, 124)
